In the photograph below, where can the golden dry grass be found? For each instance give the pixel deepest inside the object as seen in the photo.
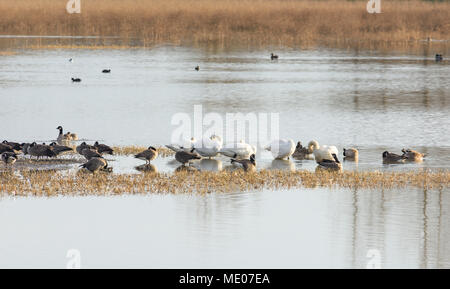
(231, 22)
(132, 150)
(50, 183)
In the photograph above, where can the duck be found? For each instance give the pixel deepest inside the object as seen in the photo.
(240, 150)
(9, 158)
(148, 155)
(393, 158)
(59, 149)
(95, 164)
(62, 138)
(333, 164)
(351, 154)
(273, 56)
(102, 148)
(323, 152)
(439, 57)
(186, 145)
(70, 60)
(249, 165)
(14, 145)
(40, 150)
(303, 153)
(412, 155)
(83, 146)
(106, 70)
(76, 79)
(281, 149)
(184, 156)
(197, 68)
(90, 153)
(208, 147)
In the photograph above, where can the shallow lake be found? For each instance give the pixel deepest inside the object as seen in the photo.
(371, 101)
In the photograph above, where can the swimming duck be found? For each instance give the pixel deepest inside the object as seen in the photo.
(412, 155)
(106, 70)
(197, 68)
(9, 158)
(76, 79)
(392, 158)
(247, 165)
(351, 154)
(95, 164)
(273, 56)
(281, 149)
(148, 155)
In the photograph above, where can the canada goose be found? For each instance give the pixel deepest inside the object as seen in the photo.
(76, 79)
(334, 164)
(439, 57)
(273, 56)
(102, 148)
(323, 152)
(9, 158)
(186, 145)
(392, 158)
(147, 168)
(5, 148)
(90, 153)
(39, 150)
(303, 153)
(106, 70)
(59, 149)
(197, 68)
(281, 149)
(240, 150)
(25, 147)
(95, 164)
(184, 156)
(83, 146)
(412, 155)
(62, 138)
(15, 146)
(247, 165)
(208, 147)
(351, 154)
(148, 155)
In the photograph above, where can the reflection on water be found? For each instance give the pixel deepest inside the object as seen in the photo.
(293, 229)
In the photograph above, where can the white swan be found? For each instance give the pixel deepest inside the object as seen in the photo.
(185, 145)
(281, 149)
(240, 150)
(323, 152)
(208, 147)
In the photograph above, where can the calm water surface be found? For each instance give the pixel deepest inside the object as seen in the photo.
(370, 101)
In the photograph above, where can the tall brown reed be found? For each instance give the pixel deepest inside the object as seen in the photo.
(232, 22)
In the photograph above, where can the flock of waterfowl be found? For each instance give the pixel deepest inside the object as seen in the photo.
(241, 154)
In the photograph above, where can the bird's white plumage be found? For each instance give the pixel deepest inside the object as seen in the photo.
(282, 148)
(240, 150)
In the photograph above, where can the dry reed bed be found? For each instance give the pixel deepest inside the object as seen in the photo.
(51, 183)
(230, 22)
(132, 150)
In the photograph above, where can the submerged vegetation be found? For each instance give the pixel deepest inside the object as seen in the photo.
(231, 22)
(51, 183)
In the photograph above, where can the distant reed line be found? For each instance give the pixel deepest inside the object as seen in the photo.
(286, 23)
(53, 183)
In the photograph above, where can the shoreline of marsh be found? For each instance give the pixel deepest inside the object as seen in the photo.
(261, 23)
(51, 183)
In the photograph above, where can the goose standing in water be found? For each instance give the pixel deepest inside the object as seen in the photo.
(209, 147)
(95, 164)
(9, 158)
(102, 148)
(412, 155)
(248, 165)
(148, 155)
(281, 149)
(351, 154)
(391, 158)
(184, 157)
(240, 150)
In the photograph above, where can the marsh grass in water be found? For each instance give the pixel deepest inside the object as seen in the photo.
(51, 183)
(285, 23)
